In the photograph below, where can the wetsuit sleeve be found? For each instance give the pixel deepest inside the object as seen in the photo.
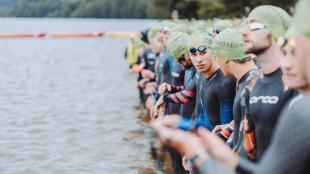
(226, 95)
(175, 89)
(289, 150)
(211, 166)
(183, 97)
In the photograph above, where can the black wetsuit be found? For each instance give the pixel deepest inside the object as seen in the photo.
(237, 106)
(177, 75)
(141, 94)
(187, 110)
(149, 59)
(214, 98)
(164, 68)
(267, 100)
(288, 153)
(241, 110)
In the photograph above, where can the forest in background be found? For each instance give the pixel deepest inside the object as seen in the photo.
(159, 9)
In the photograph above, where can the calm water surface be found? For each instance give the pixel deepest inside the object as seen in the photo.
(67, 105)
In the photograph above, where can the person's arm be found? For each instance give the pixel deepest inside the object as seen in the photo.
(222, 127)
(182, 97)
(194, 149)
(226, 95)
(165, 87)
(289, 150)
(175, 89)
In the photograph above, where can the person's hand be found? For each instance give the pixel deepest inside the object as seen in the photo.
(149, 90)
(143, 82)
(186, 164)
(218, 149)
(171, 120)
(185, 142)
(164, 87)
(161, 111)
(149, 103)
(222, 127)
(137, 68)
(159, 102)
(147, 74)
(151, 84)
(158, 112)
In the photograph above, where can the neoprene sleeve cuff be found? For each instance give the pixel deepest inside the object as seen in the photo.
(174, 89)
(165, 97)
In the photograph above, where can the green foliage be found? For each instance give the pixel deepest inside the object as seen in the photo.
(202, 9)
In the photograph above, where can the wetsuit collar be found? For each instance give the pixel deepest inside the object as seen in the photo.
(245, 76)
(214, 74)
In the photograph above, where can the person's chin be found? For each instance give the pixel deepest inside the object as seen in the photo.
(201, 69)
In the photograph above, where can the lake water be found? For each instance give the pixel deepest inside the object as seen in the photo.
(67, 105)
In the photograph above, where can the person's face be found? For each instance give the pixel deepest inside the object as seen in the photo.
(256, 38)
(214, 33)
(202, 60)
(302, 57)
(162, 38)
(186, 60)
(289, 66)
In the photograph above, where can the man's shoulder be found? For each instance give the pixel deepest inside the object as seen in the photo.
(301, 108)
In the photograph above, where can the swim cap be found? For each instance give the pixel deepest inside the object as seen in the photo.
(275, 18)
(200, 39)
(223, 24)
(181, 28)
(177, 44)
(228, 45)
(198, 26)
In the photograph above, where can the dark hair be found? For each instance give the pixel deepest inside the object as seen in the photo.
(242, 61)
(143, 36)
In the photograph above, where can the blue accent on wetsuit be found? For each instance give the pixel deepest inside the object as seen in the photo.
(216, 96)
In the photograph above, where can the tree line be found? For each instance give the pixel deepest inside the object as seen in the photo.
(200, 9)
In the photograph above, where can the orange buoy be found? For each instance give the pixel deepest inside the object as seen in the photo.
(76, 35)
(122, 34)
(22, 35)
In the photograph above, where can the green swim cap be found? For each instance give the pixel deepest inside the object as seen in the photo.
(198, 26)
(139, 42)
(301, 17)
(275, 18)
(167, 23)
(177, 44)
(282, 41)
(228, 45)
(152, 32)
(181, 28)
(200, 39)
(223, 24)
